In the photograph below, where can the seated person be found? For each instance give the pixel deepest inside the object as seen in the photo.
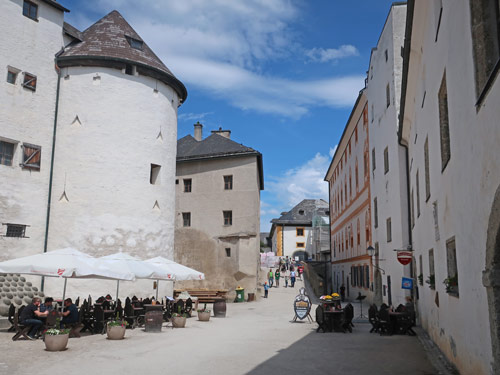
(47, 305)
(70, 316)
(29, 315)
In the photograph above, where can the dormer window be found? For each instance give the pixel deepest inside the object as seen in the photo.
(301, 212)
(135, 43)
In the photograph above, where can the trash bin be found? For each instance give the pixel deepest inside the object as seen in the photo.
(240, 294)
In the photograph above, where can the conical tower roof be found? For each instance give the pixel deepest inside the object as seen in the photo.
(112, 42)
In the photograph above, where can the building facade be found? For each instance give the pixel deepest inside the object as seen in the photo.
(388, 161)
(218, 184)
(65, 134)
(348, 179)
(293, 235)
(449, 124)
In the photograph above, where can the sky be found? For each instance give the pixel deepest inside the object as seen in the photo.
(282, 75)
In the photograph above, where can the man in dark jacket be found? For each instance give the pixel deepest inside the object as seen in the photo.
(29, 315)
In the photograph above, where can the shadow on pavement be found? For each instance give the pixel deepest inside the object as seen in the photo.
(359, 352)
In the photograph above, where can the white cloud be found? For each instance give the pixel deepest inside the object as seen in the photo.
(221, 47)
(303, 182)
(332, 151)
(193, 116)
(332, 54)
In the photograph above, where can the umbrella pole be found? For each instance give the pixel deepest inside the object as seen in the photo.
(117, 289)
(64, 293)
(157, 287)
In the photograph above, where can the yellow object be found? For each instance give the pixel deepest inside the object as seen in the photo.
(239, 288)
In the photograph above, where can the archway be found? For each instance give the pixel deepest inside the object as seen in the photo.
(491, 279)
(302, 255)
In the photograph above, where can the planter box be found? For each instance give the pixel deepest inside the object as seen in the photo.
(203, 316)
(115, 332)
(179, 321)
(56, 343)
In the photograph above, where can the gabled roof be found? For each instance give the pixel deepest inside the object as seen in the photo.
(108, 42)
(56, 5)
(302, 214)
(215, 146)
(72, 31)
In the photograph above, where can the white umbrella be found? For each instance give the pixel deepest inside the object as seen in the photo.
(138, 267)
(179, 271)
(66, 263)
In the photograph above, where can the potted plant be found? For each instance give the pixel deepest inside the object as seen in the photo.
(431, 280)
(179, 319)
(451, 284)
(56, 339)
(421, 279)
(115, 329)
(204, 314)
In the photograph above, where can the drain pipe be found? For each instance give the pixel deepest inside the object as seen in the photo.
(51, 173)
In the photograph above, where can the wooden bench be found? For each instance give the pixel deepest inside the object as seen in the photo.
(204, 295)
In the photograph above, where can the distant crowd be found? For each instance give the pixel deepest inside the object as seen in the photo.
(288, 270)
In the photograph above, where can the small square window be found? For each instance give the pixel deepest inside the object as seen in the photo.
(32, 156)
(228, 251)
(29, 81)
(30, 10)
(186, 219)
(177, 181)
(228, 217)
(16, 230)
(228, 182)
(11, 76)
(300, 232)
(301, 244)
(6, 152)
(154, 174)
(187, 185)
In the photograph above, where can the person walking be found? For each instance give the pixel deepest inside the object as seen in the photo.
(287, 263)
(266, 289)
(271, 278)
(342, 293)
(292, 278)
(277, 275)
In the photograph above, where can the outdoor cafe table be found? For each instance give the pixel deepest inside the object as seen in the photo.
(396, 322)
(332, 316)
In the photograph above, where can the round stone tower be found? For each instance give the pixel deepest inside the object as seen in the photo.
(115, 154)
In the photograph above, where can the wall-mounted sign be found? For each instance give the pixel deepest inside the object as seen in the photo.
(302, 305)
(406, 283)
(405, 257)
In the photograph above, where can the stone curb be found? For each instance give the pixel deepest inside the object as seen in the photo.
(436, 357)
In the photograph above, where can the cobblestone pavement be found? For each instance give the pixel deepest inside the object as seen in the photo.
(255, 338)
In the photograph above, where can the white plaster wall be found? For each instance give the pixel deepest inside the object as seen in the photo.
(389, 188)
(291, 239)
(464, 190)
(102, 164)
(27, 116)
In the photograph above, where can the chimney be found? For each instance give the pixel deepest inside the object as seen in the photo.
(224, 133)
(198, 131)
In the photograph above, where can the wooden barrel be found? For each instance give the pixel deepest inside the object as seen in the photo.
(220, 308)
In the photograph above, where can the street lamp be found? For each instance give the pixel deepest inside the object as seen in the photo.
(371, 252)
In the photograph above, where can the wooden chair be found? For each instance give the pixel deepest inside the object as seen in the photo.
(320, 319)
(130, 317)
(12, 313)
(348, 317)
(99, 321)
(20, 329)
(373, 318)
(384, 322)
(188, 307)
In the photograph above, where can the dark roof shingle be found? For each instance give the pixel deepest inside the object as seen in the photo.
(302, 214)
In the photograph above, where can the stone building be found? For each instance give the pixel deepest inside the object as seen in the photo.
(449, 124)
(387, 160)
(292, 233)
(218, 184)
(79, 103)
(348, 178)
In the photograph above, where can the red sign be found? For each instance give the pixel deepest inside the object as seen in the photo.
(405, 257)
(60, 271)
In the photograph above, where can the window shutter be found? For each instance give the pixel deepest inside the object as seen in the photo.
(31, 156)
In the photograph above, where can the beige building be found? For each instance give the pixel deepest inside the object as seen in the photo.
(348, 179)
(218, 184)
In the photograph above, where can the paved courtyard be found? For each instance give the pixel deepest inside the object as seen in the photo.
(255, 338)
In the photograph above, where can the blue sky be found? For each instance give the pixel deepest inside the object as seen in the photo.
(282, 75)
